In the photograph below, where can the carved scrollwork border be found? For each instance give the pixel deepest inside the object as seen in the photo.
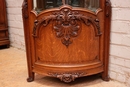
(66, 24)
(67, 77)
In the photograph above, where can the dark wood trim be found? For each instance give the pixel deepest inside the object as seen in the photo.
(107, 24)
(26, 24)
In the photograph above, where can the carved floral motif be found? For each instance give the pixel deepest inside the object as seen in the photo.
(67, 24)
(67, 77)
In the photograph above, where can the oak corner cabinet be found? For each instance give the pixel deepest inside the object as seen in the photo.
(4, 36)
(67, 39)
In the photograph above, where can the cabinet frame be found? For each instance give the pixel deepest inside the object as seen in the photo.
(27, 8)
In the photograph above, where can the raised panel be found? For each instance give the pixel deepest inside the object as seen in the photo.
(85, 47)
(67, 37)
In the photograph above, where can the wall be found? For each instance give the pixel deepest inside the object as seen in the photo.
(15, 23)
(120, 36)
(120, 41)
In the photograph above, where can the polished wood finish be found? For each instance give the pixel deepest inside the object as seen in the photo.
(67, 42)
(4, 37)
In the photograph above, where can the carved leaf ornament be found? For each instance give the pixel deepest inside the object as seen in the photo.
(67, 77)
(66, 24)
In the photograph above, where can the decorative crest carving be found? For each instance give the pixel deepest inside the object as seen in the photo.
(67, 77)
(67, 24)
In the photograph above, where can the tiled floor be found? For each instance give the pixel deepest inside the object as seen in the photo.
(13, 73)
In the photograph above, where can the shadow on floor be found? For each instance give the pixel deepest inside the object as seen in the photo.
(79, 82)
(4, 47)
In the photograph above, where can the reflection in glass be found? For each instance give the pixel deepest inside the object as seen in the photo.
(93, 5)
(74, 3)
(40, 5)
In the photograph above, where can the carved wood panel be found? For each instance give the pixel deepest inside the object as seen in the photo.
(49, 47)
(67, 24)
(67, 77)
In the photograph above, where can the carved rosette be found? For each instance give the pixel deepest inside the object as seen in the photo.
(67, 24)
(67, 77)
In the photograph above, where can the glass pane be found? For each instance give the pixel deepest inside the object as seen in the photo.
(40, 5)
(92, 5)
(76, 3)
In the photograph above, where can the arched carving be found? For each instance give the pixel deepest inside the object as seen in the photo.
(67, 24)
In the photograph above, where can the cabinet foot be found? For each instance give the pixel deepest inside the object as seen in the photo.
(30, 79)
(8, 46)
(106, 78)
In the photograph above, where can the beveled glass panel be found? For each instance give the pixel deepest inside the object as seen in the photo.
(40, 5)
(92, 5)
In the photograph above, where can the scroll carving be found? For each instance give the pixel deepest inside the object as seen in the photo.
(24, 9)
(67, 24)
(67, 77)
(108, 8)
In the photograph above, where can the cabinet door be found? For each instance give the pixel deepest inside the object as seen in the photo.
(67, 39)
(69, 34)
